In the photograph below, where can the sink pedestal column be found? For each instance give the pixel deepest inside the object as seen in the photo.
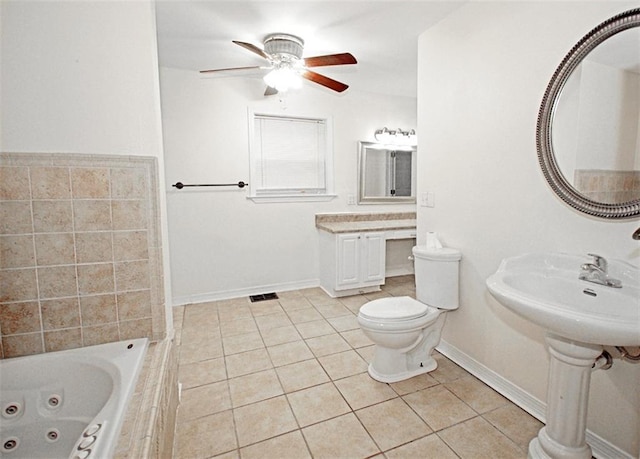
(570, 369)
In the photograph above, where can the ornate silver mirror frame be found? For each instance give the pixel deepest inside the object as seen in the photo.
(546, 154)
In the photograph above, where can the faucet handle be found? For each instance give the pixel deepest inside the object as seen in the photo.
(599, 261)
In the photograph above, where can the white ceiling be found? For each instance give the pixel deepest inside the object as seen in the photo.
(382, 35)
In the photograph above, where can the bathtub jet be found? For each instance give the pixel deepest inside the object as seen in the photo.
(70, 403)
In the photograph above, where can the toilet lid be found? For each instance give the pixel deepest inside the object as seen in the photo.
(396, 308)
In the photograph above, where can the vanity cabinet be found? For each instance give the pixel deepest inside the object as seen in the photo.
(352, 263)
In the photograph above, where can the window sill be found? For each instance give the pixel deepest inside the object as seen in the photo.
(296, 198)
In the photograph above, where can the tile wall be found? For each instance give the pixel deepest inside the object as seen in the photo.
(608, 186)
(80, 251)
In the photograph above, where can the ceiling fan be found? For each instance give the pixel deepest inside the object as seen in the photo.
(286, 64)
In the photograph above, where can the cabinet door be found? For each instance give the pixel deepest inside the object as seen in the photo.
(348, 269)
(373, 257)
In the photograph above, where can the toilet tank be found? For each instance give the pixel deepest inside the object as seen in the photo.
(436, 272)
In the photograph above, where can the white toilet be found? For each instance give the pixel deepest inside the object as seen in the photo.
(406, 330)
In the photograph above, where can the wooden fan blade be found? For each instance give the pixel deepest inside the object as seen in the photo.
(330, 59)
(252, 48)
(324, 81)
(231, 69)
(270, 91)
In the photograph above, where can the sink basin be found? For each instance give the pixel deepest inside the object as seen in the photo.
(544, 288)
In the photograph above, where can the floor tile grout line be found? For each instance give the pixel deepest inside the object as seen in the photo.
(351, 347)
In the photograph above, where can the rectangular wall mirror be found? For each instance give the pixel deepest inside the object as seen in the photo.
(386, 173)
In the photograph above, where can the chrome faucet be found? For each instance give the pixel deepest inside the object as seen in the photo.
(597, 272)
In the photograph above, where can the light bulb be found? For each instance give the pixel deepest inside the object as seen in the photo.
(283, 79)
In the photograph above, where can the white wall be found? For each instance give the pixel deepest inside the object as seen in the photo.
(608, 117)
(482, 75)
(82, 77)
(222, 244)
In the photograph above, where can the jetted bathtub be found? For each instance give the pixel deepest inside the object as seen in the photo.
(67, 404)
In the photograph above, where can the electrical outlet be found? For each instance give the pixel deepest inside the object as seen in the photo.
(351, 200)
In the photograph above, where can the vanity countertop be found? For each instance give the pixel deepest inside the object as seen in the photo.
(359, 222)
(375, 225)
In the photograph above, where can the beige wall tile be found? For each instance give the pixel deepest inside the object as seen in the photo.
(19, 345)
(98, 310)
(129, 215)
(18, 285)
(132, 329)
(15, 217)
(134, 305)
(60, 340)
(52, 216)
(50, 182)
(59, 214)
(100, 334)
(17, 251)
(129, 183)
(20, 318)
(92, 215)
(94, 247)
(95, 278)
(60, 313)
(14, 183)
(130, 245)
(57, 282)
(132, 275)
(55, 249)
(89, 182)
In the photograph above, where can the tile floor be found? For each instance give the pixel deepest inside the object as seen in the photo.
(288, 378)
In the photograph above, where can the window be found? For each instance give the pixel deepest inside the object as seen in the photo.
(291, 158)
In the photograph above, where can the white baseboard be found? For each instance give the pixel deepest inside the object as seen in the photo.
(398, 271)
(229, 294)
(601, 448)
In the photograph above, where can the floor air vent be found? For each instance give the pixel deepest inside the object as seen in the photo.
(263, 297)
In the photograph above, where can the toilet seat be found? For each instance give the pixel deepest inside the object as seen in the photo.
(394, 309)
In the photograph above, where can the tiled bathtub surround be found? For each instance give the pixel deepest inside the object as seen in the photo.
(80, 251)
(609, 186)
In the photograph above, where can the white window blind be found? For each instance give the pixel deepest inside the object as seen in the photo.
(290, 156)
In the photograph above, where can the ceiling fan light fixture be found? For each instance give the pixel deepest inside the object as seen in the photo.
(282, 43)
(283, 78)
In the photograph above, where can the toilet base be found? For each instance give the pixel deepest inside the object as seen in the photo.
(428, 365)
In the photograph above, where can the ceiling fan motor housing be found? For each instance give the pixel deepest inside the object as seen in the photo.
(284, 45)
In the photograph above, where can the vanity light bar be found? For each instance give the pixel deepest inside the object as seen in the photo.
(396, 136)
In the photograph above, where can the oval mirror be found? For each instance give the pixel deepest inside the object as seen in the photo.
(588, 133)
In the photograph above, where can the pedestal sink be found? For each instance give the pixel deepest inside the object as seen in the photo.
(579, 317)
